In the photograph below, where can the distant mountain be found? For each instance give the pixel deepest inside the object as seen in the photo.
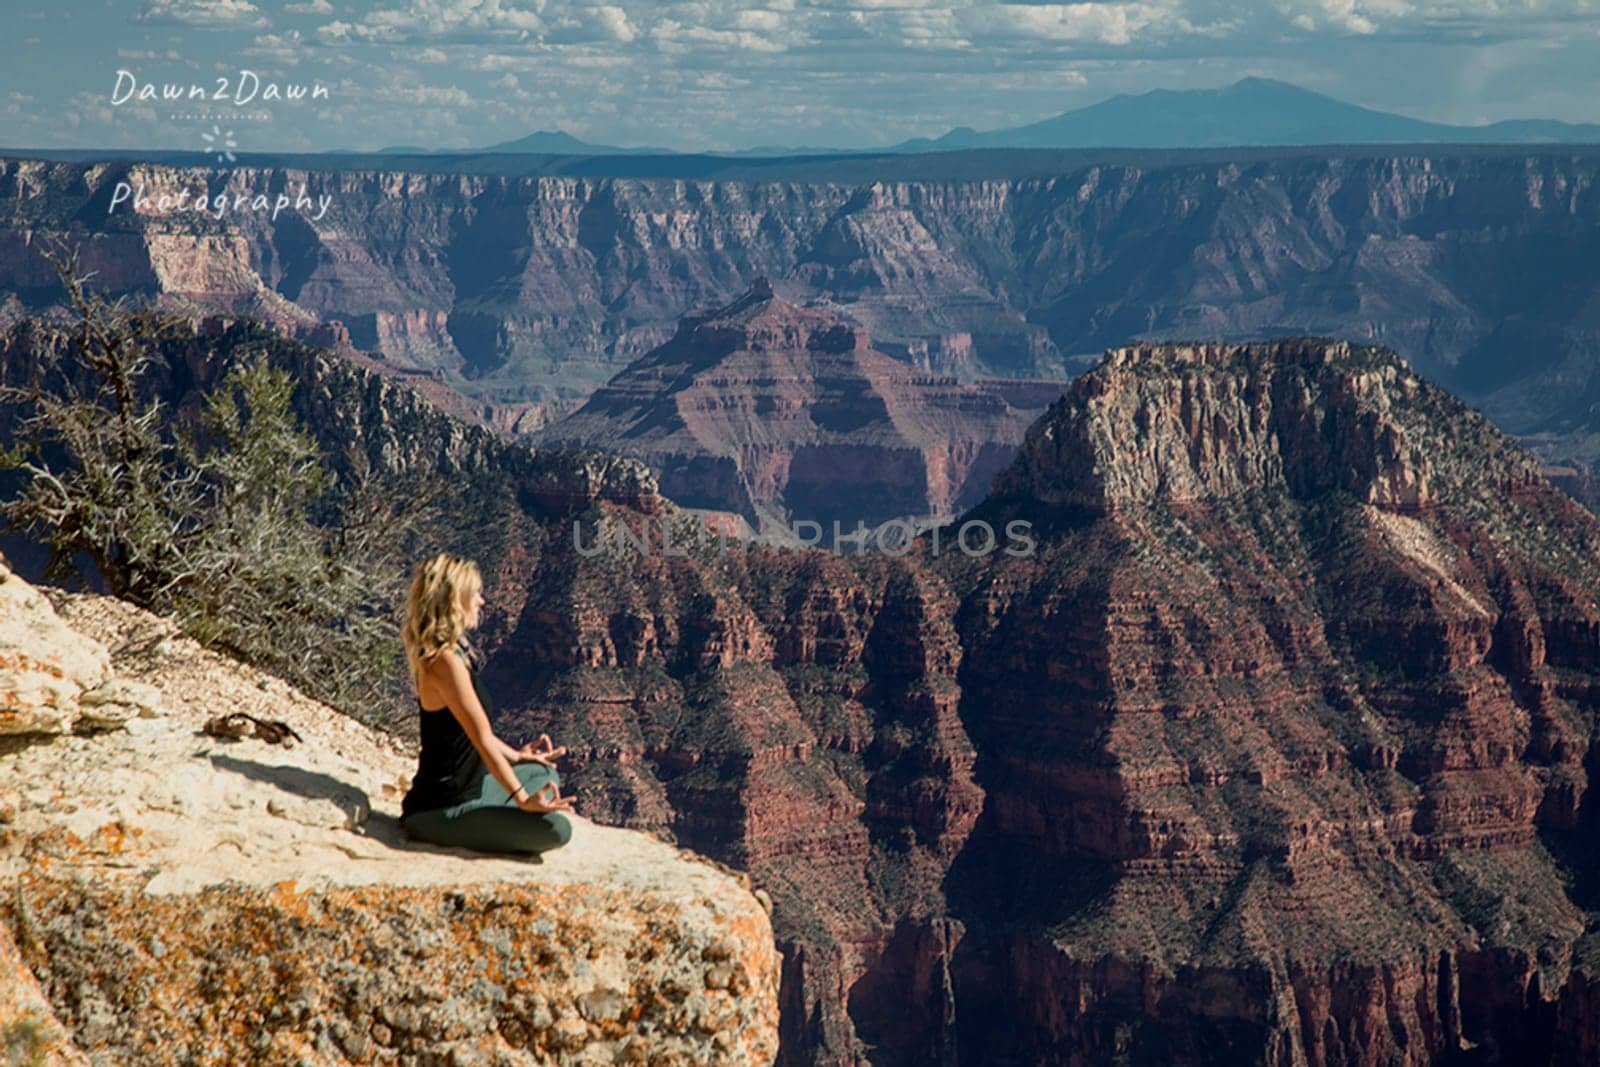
(540, 142)
(1251, 112)
(561, 143)
(1254, 111)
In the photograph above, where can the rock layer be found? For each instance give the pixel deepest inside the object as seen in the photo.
(1473, 265)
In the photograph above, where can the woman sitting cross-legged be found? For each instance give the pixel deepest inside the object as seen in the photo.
(471, 789)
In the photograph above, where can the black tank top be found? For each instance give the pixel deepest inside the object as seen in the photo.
(449, 769)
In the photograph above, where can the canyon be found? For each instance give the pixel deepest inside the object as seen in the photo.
(530, 292)
(1277, 750)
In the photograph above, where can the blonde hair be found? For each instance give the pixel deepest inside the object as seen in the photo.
(436, 608)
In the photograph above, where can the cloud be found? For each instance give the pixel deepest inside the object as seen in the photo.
(287, 48)
(674, 37)
(432, 96)
(616, 24)
(441, 20)
(312, 7)
(1438, 21)
(205, 14)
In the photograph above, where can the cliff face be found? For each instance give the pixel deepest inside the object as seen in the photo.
(171, 896)
(1275, 749)
(772, 411)
(540, 289)
(1332, 716)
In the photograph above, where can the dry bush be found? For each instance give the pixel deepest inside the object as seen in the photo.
(232, 525)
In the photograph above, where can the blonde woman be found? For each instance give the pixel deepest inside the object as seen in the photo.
(471, 789)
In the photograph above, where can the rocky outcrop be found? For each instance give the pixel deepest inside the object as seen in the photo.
(1182, 424)
(54, 680)
(1470, 263)
(782, 414)
(171, 896)
(1276, 747)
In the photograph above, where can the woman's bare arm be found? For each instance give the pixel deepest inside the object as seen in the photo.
(449, 676)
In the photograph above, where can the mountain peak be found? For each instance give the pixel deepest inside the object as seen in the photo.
(751, 301)
(1257, 82)
(1251, 111)
(758, 319)
(1303, 417)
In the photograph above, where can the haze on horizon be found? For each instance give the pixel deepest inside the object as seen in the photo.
(707, 75)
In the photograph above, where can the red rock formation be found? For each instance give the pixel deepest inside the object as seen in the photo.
(543, 288)
(1265, 755)
(782, 413)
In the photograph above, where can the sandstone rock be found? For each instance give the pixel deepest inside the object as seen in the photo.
(45, 665)
(128, 697)
(174, 896)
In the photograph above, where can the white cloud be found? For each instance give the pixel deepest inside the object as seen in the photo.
(615, 22)
(205, 14)
(675, 37)
(764, 21)
(1094, 23)
(286, 48)
(312, 7)
(335, 32)
(431, 96)
(439, 20)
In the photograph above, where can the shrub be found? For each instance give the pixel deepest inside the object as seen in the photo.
(232, 526)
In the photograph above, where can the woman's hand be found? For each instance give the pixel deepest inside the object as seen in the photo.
(540, 751)
(546, 800)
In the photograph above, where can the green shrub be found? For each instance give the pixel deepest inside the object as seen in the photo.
(233, 527)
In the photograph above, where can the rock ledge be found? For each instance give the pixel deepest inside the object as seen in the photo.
(167, 896)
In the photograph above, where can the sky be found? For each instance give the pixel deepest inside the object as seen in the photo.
(704, 75)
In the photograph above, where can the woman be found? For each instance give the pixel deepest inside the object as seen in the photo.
(471, 789)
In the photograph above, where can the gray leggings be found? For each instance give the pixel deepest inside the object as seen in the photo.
(491, 823)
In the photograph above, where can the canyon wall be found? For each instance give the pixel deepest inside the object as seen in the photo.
(535, 291)
(1274, 749)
